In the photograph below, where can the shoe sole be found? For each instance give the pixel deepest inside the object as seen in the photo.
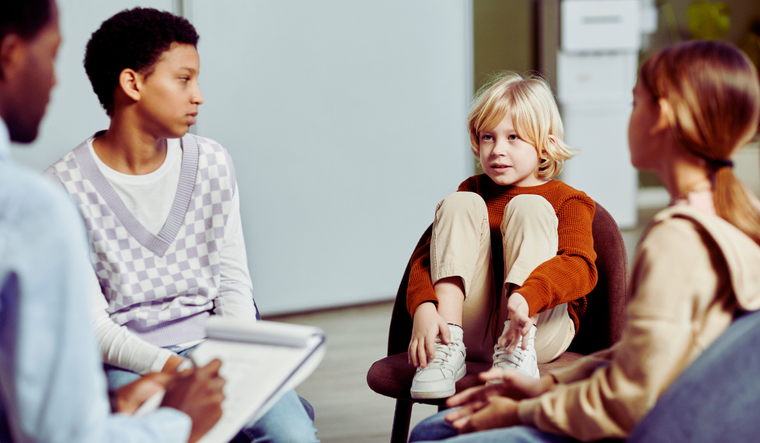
(427, 395)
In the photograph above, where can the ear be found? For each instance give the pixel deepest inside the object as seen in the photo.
(130, 83)
(552, 140)
(665, 115)
(11, 54)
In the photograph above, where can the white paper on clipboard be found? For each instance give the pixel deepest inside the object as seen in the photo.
(260, 362)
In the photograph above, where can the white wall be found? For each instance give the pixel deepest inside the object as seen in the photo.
(347, 124)
(346, 121)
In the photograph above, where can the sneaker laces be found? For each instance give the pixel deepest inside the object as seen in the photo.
(503, 359)
(442, 353)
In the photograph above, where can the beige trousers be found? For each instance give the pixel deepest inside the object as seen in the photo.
(461, 247)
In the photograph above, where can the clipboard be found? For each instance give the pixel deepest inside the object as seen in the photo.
(260, 362)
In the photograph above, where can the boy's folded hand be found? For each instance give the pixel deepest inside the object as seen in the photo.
(427, 324)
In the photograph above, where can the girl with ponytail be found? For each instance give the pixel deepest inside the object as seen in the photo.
(696, 266)
(709, 99)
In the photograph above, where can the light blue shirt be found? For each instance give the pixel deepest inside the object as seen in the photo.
(52, 386)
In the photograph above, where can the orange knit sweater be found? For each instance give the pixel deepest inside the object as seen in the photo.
(566, 278)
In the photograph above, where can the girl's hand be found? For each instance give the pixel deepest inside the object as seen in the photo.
(427, 324)
(514, 384)
(488, 413)
(519, 323)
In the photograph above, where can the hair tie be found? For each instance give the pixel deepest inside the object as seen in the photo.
(721, 163)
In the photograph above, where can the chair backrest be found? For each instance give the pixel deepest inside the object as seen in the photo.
(601, 325)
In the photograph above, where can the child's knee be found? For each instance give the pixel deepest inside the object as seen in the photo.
(529, 203)
(528, 207)
(463, 202)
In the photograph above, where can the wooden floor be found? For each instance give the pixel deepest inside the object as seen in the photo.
(347, 411)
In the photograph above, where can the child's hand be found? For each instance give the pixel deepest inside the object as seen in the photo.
(514, 384)
(427, 325)
(489, 406)
(519, 323)
(487, 412)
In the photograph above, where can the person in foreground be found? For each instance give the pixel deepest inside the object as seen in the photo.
(52, 387)
(716, 398)
(162, 210)
(695, 105)
(511, 247)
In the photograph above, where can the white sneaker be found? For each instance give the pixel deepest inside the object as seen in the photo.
(439, 378)
(521, 360)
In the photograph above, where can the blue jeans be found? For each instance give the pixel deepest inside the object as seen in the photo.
(436, 428)
(291, 419)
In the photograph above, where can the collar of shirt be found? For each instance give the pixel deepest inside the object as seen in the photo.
(5, 142)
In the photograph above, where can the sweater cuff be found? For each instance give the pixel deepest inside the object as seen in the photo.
(413, 307)
(527, 410)
(584, 367)
(173, 424)
(565, 375)
(160, 360)
(535, 304)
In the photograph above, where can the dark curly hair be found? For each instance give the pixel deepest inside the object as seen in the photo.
(132, 39)
(25, 18)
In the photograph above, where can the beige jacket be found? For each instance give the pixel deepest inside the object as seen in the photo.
(691, 273)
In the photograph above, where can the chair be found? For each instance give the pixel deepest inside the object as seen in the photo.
(600, 327)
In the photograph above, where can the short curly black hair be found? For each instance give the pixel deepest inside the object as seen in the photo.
(25, 18)
(132, 39)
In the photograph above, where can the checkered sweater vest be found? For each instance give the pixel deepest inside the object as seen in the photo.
(160, 286)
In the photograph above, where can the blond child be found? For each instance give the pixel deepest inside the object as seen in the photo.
(512, 246)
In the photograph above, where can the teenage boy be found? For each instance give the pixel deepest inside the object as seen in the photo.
(52, 387)
(162, 210)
